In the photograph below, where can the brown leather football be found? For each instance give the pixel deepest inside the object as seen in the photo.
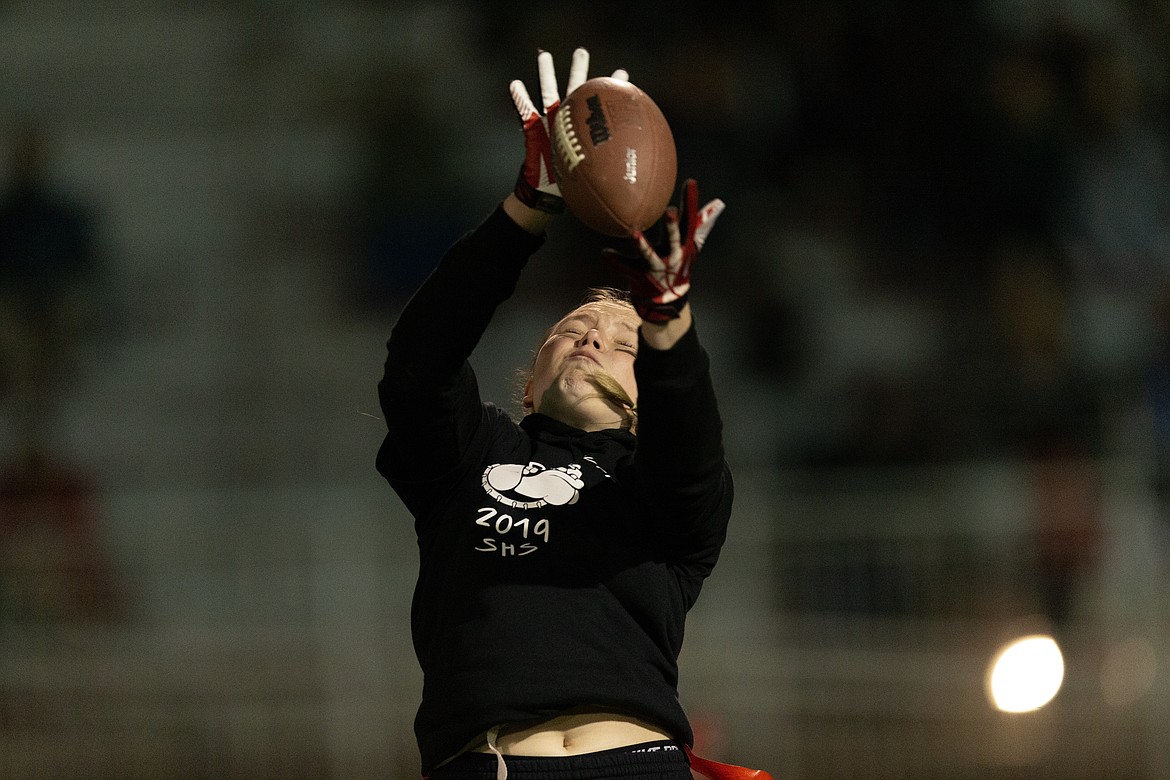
(614, 156)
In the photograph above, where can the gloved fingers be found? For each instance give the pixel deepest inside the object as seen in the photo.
(578, 69)
(523, 102)
(621, 74)
(673, 234)
(548, 81)
(706, 220)
(648, 253)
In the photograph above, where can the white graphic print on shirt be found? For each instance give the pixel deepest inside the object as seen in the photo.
(524, 487)
(533, 486)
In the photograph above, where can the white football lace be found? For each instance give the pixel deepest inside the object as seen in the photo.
(565, 139)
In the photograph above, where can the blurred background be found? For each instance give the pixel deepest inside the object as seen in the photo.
(937, 306)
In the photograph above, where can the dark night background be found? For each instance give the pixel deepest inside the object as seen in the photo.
(937, 306)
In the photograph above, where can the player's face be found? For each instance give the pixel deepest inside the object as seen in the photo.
(594, 338)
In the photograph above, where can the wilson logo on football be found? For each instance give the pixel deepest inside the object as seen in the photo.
(598, 129)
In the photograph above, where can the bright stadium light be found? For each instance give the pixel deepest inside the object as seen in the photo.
(1025, 674)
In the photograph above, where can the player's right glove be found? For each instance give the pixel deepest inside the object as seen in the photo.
(536, 186)
(660, 283)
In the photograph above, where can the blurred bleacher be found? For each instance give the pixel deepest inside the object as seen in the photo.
(223, 420)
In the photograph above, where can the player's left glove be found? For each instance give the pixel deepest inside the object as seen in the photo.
(536, 186)
(661, 283)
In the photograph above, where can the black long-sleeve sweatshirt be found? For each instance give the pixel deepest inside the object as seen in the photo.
(556, 565)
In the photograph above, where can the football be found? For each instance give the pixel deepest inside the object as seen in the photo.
(614, 156)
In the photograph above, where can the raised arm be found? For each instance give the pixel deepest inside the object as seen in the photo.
(537, 196)
(428, 393)
(679, 455)
(660, 284)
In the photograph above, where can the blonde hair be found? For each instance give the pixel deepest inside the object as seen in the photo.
(612, 391)
(607, 386)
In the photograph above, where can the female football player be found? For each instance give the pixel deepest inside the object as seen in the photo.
(559, 554)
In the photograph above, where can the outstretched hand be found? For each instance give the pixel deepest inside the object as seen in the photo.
(536, 186)
(660, 283)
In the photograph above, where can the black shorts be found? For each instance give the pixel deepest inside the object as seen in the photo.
(663, 760)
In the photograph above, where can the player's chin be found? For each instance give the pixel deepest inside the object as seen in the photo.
(577, 376)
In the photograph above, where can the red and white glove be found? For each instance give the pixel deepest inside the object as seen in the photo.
(536, 186)
(661, 283)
